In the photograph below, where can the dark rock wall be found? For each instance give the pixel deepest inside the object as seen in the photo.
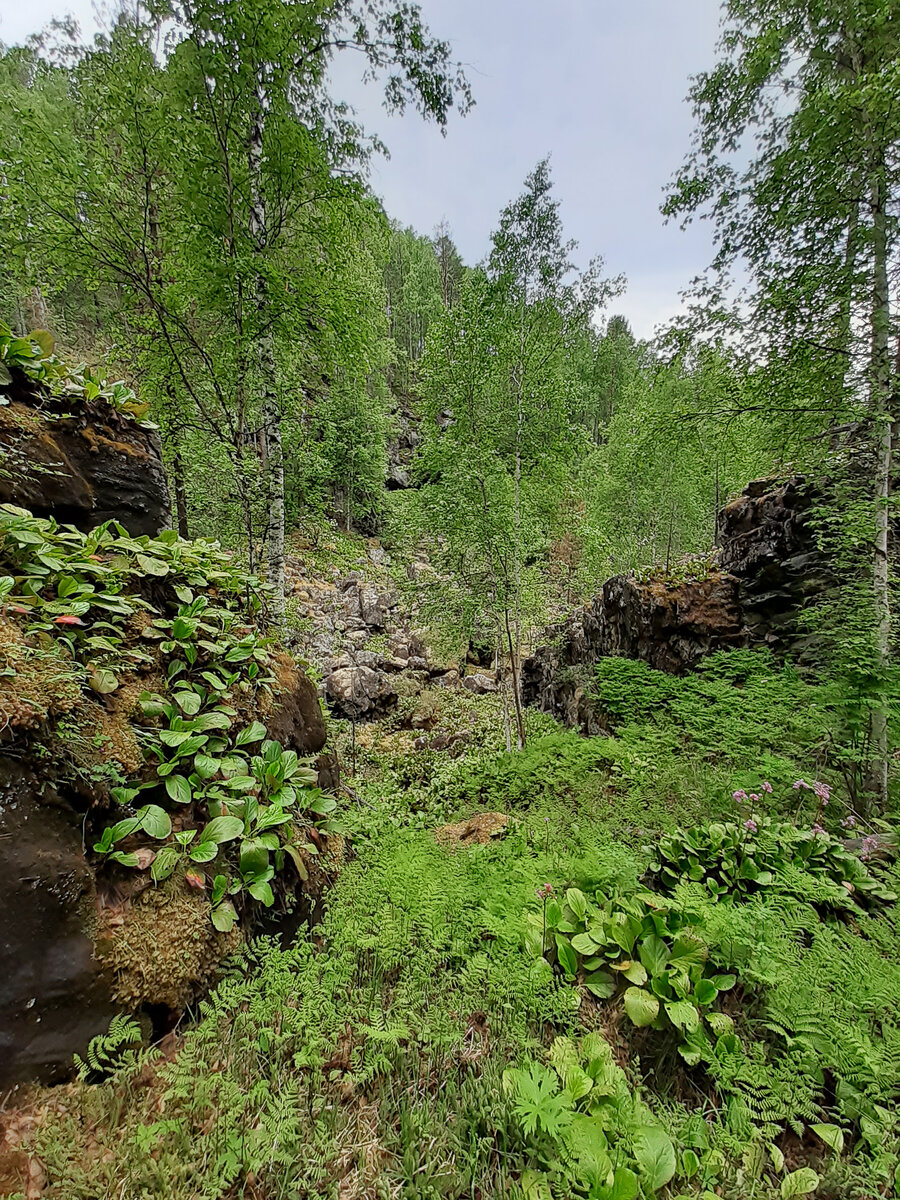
(54, 996)
(83, 468)
(769, 571)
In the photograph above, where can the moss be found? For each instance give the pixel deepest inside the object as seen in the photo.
(161, 948)
(37, 678)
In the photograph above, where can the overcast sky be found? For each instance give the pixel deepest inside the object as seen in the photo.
(597, 84)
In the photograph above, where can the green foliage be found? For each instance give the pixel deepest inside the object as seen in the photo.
(735, 862)
(111, 1052)
(585, 1129)
(642, 948)
(739, 702)
(243, 808)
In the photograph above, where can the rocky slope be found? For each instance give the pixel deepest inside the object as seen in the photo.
(768, 570)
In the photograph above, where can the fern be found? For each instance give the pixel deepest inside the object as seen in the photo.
(110, 1052)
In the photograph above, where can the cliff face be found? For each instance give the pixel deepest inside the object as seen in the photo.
(82, 463)
(769, 569)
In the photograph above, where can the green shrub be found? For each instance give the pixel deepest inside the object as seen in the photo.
(735, 861)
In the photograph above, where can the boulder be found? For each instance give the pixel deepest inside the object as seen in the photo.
(83, 468)
(360, 691)
(479, 684)
(295, 718)
(475, 831)
(769, 570)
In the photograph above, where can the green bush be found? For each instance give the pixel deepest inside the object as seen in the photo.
(736, 861)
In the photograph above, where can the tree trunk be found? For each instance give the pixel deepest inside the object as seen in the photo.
(181, 511)
(880, 405)
(266, 366)
(514, 672)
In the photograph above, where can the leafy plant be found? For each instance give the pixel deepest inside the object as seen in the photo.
(641, 947)
(735, 862)
(584, 1127)
(110, 1052)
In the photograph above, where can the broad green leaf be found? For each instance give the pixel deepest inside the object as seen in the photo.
(155, 821)
(799, 1183)
(203, 852)
(683, 1015)
(152, 566)
(205, 766)
(179, 789)
(655, 1155)
(654, 954)
(601, 983)
(164, 864)
(577, 901)
(566, 955)
(583, 943)
(253, 733)
(831, 1135)
(641, 1006)
(224, 916)
(222, 829)
(705, 992)
(103, 680)
(322, 805)
(188, 701)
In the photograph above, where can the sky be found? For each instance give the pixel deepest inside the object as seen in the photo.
(599, 85)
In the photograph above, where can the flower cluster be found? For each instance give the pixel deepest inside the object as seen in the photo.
(740, 795)
(545, 891)
(869, 846)
(848, 822)
(750, 825)
(821, 790)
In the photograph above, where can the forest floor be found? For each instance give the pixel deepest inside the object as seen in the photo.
(525, 1003)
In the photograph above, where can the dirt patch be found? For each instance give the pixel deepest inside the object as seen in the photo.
(477, 830)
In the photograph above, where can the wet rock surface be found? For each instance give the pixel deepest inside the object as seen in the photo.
(83, 468)
(54, 994)
(769, 570)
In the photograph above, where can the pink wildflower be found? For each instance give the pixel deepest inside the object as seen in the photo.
(767, 787)
(817, 829)
(750, 825)
(740, 795)
(848, 822)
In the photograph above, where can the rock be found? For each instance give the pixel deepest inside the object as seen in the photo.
(416, 663)
(296, 718)
(379, 556)
(769, 571)
(448, 680)
(360, 691)
(479, 684)
(82, 469)
(54, 996)
(477, 830)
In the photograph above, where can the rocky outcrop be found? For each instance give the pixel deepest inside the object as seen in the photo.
(80, 938)
(768, 571)
(401, 448)
(83, 467)
(768, 544)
